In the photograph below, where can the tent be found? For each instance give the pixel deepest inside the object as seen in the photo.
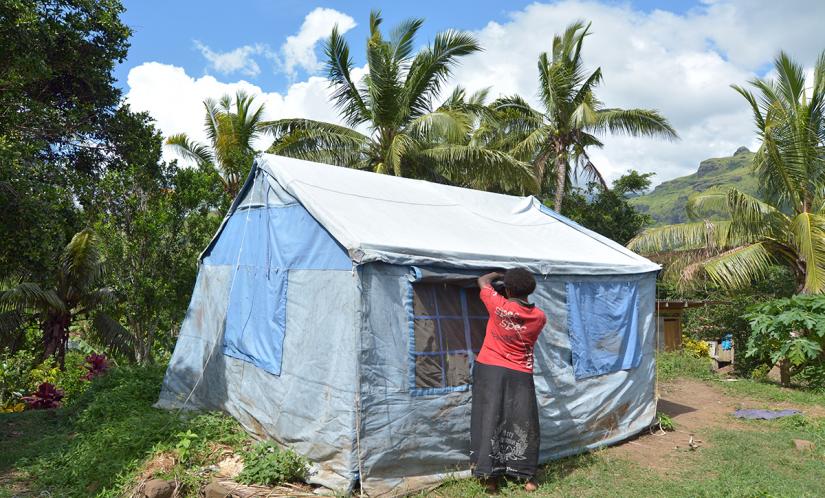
(335, 312)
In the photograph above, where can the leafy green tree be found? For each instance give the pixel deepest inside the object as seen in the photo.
(76, 294)
(37, 218)
(607, 211)
(406, 134)
(556, 138)
(791, 332)
(57, 94)
(56, 71)
(153, 220)
(232, 127)
(788, 226)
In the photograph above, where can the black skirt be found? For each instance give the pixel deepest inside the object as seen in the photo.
(504, 424)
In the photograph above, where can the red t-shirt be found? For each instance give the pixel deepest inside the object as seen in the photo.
(512, 330)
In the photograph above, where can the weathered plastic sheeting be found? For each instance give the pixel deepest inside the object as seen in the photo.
(411, 442)
(311, 406)
(278, 237)
(418, 223)
(578, 415)
(194, 377)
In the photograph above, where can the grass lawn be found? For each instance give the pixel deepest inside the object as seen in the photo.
(99, 445)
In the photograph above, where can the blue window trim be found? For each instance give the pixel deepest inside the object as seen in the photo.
(465, 311)
(412, 353)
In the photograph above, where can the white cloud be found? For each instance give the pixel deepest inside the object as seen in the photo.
(299, 49)
(175, 99)
(680, 64)
(237, 60)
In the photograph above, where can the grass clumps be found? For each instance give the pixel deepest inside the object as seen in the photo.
(665, 422)
(675, 364)
(99, 444)
(109, 439)
(88, 446)
(265, 463)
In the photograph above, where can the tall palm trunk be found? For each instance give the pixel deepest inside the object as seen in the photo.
(56, 337)
(561, 176)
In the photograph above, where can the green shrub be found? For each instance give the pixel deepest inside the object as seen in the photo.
(696, 348)
(71, 379)
(790, 329)
(113, 428)
(15, 377)
(760, 373)
(21, 374)
(665, 422)
(269, 465)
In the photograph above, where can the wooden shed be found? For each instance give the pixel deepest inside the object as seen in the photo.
(669, 328)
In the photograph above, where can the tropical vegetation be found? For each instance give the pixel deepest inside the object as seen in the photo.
(790, 331)
(556, 138)
(101, 238)
(788, 226)
(232, 127)
(76, 294)
(392, 124)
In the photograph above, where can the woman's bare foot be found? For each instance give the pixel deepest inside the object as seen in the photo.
(531, 486)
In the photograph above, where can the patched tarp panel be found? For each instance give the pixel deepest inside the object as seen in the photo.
(277, 237)
(266, 237)
(256, 318)
(408, 441)
(603, 320)
(310, 407)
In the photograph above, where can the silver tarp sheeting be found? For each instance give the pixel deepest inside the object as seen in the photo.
(343, 397)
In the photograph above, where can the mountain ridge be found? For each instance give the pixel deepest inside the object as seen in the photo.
(666, 203)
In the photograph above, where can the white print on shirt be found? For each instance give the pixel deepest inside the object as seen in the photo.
(511, 320)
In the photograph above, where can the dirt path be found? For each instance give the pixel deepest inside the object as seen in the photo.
(696, 408)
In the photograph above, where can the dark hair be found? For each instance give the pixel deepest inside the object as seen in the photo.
(519, 282)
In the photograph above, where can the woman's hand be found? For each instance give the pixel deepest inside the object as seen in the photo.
(484, 280)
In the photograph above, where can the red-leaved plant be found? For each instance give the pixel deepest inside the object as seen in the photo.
(96, 364)
(46, 397)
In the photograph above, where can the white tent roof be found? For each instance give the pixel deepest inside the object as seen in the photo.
(413, 222)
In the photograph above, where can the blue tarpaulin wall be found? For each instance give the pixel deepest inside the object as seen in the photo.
(263, 244)
(603, 325)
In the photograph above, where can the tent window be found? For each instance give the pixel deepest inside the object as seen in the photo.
(603, 320)
(448, 329)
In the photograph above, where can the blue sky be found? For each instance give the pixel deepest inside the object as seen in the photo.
(679, 57)
(166, 31)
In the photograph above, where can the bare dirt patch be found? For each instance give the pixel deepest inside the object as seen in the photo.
(696, 408)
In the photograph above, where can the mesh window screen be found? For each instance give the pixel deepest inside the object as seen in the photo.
(449, 323)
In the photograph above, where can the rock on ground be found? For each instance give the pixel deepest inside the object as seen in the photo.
(216, 490)
(158, 488)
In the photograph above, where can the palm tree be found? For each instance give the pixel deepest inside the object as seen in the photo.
(231, 126)
(75, 295)
(406, 134)
(788, 226)
(556, 138)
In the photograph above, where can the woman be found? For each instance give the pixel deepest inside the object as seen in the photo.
(504, 426)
